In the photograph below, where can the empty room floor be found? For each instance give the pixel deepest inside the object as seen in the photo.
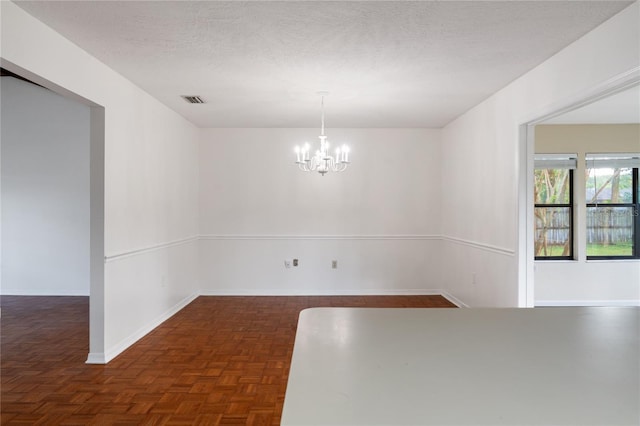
(219, 361)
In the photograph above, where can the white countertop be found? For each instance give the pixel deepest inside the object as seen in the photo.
(544, 366)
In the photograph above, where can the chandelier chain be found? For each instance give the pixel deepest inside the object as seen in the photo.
(322, 106)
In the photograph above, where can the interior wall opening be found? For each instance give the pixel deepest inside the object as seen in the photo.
(603, 120)
(52, 194)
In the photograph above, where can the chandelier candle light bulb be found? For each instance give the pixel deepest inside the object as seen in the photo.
(322, 162)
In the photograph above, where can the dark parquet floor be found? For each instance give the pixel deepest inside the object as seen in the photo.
(219, 361)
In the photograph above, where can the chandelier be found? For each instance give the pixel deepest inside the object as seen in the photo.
(322, 161)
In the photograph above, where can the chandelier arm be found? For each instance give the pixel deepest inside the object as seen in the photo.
(312, 165)
(331, 164)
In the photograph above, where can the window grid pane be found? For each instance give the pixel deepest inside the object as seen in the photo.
(609, 186)
(552, 186)
(610, 231)
(553, 232)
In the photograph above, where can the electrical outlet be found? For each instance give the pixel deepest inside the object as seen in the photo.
(334, 264)
(287, 264)
(295, 262)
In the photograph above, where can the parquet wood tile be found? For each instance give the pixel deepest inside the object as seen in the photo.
(219, 361)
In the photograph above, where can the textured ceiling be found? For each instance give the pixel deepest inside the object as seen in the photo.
(385, 64)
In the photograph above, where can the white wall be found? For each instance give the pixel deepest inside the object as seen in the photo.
(582, 282)
(45, 192)
(481, 160)
(150, 184)
(380, 219)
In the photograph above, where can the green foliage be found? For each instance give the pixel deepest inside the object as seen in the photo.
(553, 250)
(551, 186)
(609, 184)
(620, 249)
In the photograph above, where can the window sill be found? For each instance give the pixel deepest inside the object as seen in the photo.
(574, 261)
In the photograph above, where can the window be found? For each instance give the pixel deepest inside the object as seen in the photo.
(613, 218)
(553, 191)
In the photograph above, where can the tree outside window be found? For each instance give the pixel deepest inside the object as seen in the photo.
(553, 189)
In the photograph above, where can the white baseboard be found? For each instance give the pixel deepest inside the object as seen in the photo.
(358, 292)
(546, 303)
(96, 358)
(315, 292)
(459, 303)
(111, 353)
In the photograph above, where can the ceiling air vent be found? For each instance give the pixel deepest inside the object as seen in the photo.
(193, 99)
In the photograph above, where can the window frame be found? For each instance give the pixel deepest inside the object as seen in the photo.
(571, 219)
(635, 204)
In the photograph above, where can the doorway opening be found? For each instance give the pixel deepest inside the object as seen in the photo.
(53, 194)
(588, 101)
